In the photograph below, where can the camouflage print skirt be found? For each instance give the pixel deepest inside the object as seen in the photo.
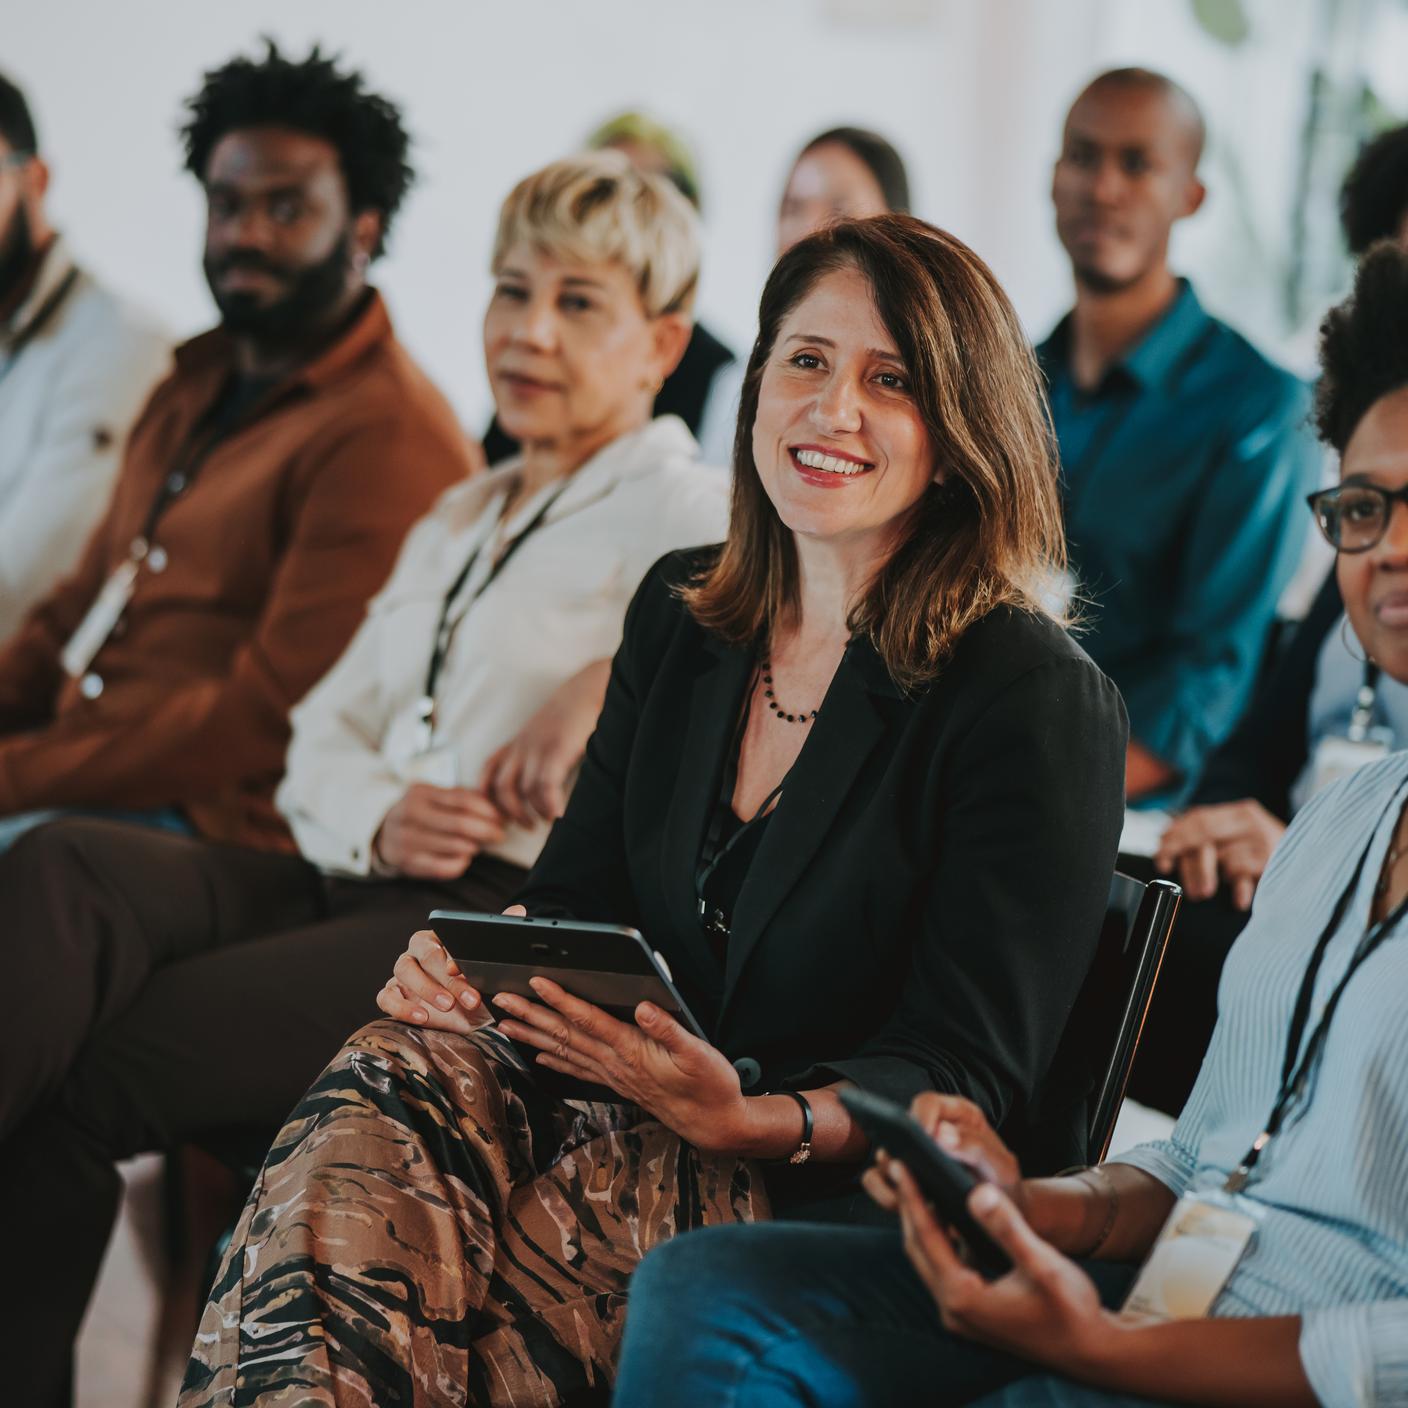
(432, 1228)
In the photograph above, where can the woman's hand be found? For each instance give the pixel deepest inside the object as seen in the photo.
(686, 1084)
(433, 833)
(426, 988)
(527, 778)
(1046, 1308)
(962, 1131)
(1233, 840)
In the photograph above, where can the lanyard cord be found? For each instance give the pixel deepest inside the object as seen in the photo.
(1296, 1075)
(39, 321)
(446, 628)
(712, 856)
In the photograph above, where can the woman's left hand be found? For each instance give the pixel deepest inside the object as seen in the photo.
(1046, 1308)
(688, 1085)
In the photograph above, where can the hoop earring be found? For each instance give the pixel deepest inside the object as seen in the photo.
(1346, 636)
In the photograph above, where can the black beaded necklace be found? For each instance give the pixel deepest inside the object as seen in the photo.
(801, 718)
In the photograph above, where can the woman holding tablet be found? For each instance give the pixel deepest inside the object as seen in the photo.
(850, 780)
(1289, 1164)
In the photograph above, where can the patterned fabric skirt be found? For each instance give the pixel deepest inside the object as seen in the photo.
(430, 1227)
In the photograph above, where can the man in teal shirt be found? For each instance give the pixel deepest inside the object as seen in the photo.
(1185, 453)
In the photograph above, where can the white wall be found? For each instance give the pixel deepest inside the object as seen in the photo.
(972, 91)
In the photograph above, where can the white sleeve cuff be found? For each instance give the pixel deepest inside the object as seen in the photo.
(1164, 1160)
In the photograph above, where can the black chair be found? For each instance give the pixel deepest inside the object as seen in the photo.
(1108, 1018)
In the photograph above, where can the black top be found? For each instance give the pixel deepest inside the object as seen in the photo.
(1269, 748)
(684, 393)
(927, 896)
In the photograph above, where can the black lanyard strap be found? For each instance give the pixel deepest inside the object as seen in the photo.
(1296, 1073)
(713, 855)
(447, 625)
(41, 319)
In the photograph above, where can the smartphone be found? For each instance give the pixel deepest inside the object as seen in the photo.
(944, 1181)
(608, 965)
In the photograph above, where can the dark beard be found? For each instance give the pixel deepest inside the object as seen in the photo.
(16, 253)
(1098, 283)
(311, 293)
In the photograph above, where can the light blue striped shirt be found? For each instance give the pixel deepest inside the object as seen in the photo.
(1332, 1187)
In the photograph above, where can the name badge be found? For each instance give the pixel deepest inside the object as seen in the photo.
(95, 628)
(1338, 757)
(1197, 1251)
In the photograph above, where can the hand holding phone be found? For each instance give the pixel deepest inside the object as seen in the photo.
(944, 1181)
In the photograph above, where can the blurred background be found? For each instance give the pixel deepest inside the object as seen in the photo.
(971, 91)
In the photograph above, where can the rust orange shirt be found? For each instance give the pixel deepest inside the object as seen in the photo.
(290, 524)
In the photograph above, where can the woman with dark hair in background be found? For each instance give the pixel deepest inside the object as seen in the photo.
(851, 781)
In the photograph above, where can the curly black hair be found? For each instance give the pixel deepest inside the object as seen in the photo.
(1364, 345)
(310, 95)
(1374, 197)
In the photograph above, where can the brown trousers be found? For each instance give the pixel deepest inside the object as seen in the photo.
(161, 990)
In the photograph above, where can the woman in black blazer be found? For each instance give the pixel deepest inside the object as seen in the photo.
(861, 792)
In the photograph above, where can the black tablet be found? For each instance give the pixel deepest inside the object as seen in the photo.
(608, 965)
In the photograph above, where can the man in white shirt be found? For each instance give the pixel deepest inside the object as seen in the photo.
(75, 368)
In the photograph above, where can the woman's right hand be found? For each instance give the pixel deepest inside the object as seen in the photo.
(962, 1131)
(426, 989)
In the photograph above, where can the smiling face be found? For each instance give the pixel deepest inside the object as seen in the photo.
(573, 358)
(1374, 584)
(840, 446)
(1127, 171)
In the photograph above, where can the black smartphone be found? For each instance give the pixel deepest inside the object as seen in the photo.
(608, 965)
(944, 1181)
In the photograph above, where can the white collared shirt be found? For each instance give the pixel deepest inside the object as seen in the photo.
(68, 397)
(556, 606)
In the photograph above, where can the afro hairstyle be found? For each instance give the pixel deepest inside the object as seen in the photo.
(315, 96)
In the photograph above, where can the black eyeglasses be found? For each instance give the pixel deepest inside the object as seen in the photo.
(1354, 517)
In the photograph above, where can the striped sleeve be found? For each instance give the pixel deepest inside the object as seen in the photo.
(1356, 1356)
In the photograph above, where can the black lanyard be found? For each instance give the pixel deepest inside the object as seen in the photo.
(713, 855)
(447, 626)
(39, 321)
(1296, 1074)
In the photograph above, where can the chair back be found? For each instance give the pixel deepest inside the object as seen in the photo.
(1109, 1013)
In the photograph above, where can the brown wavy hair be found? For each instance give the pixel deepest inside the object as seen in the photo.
(990, 535)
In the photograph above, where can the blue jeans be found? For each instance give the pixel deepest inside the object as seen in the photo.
(776, 1315)
(162, 818)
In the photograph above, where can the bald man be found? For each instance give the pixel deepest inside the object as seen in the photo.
(1184, 451)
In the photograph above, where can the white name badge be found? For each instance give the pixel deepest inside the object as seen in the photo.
(1200, 1245)
(1338, 757)
(95, 628)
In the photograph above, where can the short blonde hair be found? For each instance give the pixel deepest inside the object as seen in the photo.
(598, 207)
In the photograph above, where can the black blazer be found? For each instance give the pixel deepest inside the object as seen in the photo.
(927, 897)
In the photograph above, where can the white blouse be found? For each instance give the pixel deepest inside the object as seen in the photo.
(557, 605)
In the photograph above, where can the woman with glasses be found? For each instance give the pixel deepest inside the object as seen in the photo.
(1278, 1210)
(1323, 710)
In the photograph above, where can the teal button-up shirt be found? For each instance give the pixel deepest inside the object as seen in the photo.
(1183, 475)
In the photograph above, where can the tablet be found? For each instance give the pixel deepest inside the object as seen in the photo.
(608, 965)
